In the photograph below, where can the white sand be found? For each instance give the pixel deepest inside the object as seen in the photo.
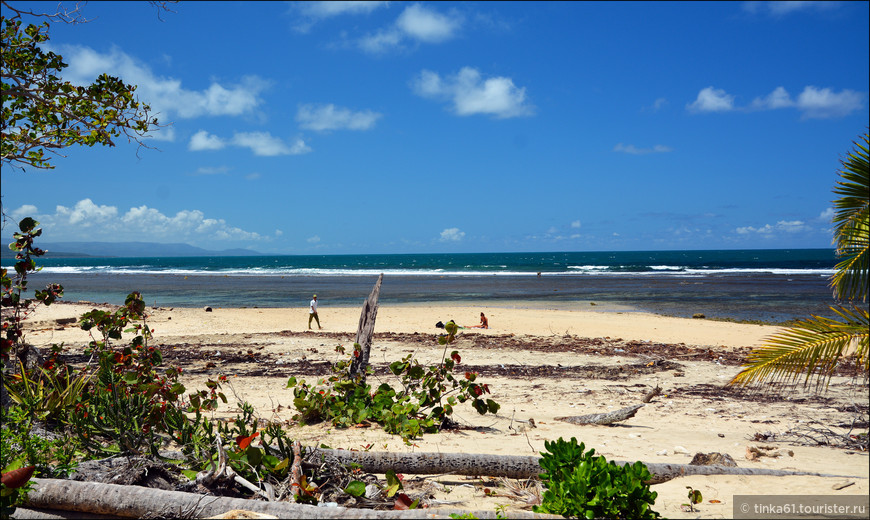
(675, 422)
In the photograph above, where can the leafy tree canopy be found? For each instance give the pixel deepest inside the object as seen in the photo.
(41, 113)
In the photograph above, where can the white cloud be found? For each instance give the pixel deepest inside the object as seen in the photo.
(824, 103)
(261, 143)
(633, 150)
(332, 8)
(575, 224)
(813, 102)
(329, 117)
(165, 95)
(313, 12)
(202, 140)
(141, 223)
(452, 235)
(427, 25)
(471, 95)
(779, 98)
(712, 100)
(381, 42)
(313, 240)
(784, 226)
(827, 215)
(86, 213)
(416, 23)
(27, 210)
(781, 8)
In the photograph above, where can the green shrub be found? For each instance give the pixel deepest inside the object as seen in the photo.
(423, 404)
(582, 485)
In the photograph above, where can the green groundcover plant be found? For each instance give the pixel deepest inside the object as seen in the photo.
(581, 485)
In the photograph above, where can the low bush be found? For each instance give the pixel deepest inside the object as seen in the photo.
(581, 485)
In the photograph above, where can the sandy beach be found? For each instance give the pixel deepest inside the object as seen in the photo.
(540, 364)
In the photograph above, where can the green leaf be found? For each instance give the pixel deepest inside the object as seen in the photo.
(356, 488)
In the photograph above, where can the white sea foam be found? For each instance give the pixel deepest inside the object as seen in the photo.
(585, 270)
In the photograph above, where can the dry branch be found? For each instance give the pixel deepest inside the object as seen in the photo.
(138, 502)
(603, 418)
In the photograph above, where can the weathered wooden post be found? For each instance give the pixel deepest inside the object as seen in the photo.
(365, 332)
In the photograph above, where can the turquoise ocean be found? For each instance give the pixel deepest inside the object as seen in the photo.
(770, 285)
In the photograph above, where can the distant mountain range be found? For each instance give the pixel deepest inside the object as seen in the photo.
(124, 249)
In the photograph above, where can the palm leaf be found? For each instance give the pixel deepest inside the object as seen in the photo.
(812, 348)
(851, 223)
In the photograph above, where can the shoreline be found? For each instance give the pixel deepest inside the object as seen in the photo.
(414, 318)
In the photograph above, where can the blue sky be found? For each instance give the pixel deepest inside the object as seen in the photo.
(393, 127)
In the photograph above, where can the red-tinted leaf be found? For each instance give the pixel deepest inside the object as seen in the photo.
(244, 442)
(17, 478)
(403, 501)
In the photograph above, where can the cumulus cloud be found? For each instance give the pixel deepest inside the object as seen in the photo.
(784, 226)
(165, 95)
(575, 224)
(323, 118)
(633, 150)
(416, 23)
(136, 224)
(27, 210)
(452, 235)
(426, 25)
(261, 143)
(827, 215)
(86, 214)
(712, 100)
(202, 140)
(313, 240)
(813, 102)
(469, 94)
(825, 103)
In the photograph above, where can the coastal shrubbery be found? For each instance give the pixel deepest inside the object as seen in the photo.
(423, 404)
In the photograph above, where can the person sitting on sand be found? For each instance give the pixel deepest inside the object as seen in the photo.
(484, 322)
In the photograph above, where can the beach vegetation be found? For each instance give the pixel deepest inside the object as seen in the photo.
(424, 402)
(813, 348)
(43, 114)
(582, 485)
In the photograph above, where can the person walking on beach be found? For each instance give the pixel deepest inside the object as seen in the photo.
(312, 313)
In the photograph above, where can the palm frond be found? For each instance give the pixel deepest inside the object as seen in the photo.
(811, 349)
(851, 222)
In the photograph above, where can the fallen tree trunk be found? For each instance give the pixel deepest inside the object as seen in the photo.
(140, 502)
(603, 418)
(522, 466)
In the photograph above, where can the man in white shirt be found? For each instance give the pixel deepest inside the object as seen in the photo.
(312, 313)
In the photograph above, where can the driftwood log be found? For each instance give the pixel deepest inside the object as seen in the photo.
(366, 330)
(523, 466)
(603, 418)
(139, 502)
